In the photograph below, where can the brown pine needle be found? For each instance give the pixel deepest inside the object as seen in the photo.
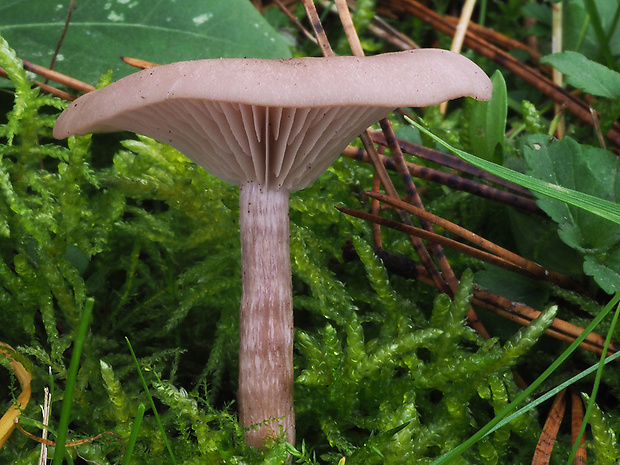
(307, 34)
(450, 161)
(447, 179)
(62, 34)
(550, 430)
(418, 245)
(138, 63)
(497, 38)
(79, 442)
(46, 88)
(58, 77)
(530, 75)
(531, 268)
(438, 239)
(317, 27)
(581, 457)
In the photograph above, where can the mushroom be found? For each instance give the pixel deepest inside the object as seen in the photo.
(271, 127)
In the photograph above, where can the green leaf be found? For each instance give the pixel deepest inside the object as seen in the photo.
(539, 241)
(600, 207)
(592, 171)
(585, 74)
(487, 122)
(161, 32)
(605, 269)
(515, 287)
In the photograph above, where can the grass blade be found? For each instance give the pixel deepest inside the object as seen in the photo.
(597, 382)
(494, 424)
(135, 429)
(148, 394)
(67, 401)
(600, 207)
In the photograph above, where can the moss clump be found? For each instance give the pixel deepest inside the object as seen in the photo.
(391, 390)
(382, 376)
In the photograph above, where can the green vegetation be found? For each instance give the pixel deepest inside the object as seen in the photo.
(387, 369)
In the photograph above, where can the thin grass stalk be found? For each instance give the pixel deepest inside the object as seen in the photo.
(133, 436)
(74, 365)
(495, 423)
(595, 205)
(552, 392)
(349, 28)
(46, 410)
(614, 24)
(483, 13)
(601, 36)
(152, 404)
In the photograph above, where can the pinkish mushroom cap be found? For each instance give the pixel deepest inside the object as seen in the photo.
(270, 126)
(278, 122)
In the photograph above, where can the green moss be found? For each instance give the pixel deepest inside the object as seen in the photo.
(385, 373)
(426, 379)
(604, 437)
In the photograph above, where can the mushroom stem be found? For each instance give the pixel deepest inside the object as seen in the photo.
(266, 317)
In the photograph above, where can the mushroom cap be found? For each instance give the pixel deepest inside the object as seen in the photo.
(278, 122)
